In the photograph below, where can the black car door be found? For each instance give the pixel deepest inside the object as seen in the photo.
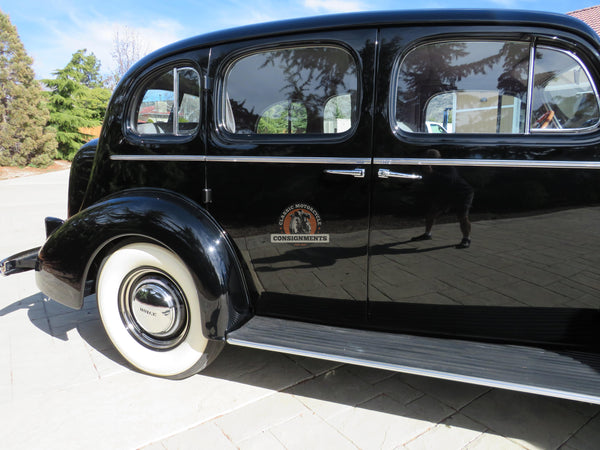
(288, 168)
(486, 186)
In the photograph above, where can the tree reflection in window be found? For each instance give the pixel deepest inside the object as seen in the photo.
(487, 82)
(286, 91)
(283, 118)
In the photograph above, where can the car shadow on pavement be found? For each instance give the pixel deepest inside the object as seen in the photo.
(343, 394)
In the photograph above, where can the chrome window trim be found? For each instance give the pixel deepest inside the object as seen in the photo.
(530, 87)
(245, 159)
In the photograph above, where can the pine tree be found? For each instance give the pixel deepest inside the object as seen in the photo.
(77, 100)
(25, 138)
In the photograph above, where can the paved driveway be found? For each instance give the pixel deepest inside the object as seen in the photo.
(63, 386)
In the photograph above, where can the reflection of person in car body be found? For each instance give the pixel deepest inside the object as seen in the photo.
(445, 189)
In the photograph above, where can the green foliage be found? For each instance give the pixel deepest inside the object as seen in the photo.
(283, 118)
(25, 138)
(77, 100)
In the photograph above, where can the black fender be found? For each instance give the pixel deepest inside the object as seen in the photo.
(73, 252)
(79, 176)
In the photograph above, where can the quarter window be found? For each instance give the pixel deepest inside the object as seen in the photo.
(563, 95)
(169, 104)
(299, 90)
(485, 88)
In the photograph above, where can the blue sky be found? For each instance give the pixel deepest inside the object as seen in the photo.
(52, 30)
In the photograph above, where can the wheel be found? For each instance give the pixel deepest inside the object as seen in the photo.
(150, 309)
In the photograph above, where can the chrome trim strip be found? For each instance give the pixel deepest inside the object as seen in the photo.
(245, 159)
(530, 164)
(176, 158)
(530, 86)
(290, 160)
(422, 372)
(488, 163)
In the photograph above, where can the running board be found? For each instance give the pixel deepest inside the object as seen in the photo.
(565, 374)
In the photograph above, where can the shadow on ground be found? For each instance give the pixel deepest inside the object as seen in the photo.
(325, 386)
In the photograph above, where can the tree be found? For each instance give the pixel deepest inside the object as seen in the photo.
(77, 100)
(25, 138)
(127, 50)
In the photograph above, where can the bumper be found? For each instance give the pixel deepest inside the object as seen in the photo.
(28, 259)
(20, 262)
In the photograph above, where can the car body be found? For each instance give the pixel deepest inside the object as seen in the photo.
(268, 186)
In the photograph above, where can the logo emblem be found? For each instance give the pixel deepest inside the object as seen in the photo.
(299, 224)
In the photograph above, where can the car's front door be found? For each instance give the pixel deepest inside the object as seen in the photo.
(288, 168)
(489, 228)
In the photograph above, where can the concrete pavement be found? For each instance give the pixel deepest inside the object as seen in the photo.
(62, 385)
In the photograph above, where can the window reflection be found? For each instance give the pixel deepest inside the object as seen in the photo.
(291, 91)
(466, 87)
(482, 87)
(563, 96)
(158, 107)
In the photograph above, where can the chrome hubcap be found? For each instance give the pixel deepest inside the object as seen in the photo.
(153, 308)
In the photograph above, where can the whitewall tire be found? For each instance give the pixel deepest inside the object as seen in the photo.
(150, 309)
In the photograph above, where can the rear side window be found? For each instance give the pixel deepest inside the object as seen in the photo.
(292, 91)
(563, 94)
(169, 103)
(492, 88)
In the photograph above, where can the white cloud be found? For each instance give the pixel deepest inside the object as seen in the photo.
(505, 3)
(334, 6)
(96, 33)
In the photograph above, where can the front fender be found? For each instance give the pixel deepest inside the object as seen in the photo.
(148, 214)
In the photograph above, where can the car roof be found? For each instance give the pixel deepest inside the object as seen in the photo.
(377, 19)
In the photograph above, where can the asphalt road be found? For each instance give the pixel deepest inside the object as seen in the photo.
(62, 385)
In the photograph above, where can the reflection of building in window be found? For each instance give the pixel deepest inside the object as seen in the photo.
(159, 105)
(155, 111)
(484, 87)
(477, 112)
(338, 114)
(564, 90)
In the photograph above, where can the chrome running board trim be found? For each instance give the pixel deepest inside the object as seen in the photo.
(534, 370)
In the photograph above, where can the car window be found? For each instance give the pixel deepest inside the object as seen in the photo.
(563, 95)
(484, 87)
(299, 90)
(285, 117)
(172, 93)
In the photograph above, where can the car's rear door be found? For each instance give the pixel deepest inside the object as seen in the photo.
(516, 172)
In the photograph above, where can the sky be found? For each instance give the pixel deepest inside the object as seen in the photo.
(52, 30)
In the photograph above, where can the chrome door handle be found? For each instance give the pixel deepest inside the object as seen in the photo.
(386, 173)
(356, 173)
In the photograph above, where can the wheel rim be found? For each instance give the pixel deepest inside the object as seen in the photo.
(153, 308)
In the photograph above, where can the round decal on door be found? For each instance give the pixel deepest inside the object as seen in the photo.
(299, 224)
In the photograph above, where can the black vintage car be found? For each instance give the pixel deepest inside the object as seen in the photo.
(417, 191)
